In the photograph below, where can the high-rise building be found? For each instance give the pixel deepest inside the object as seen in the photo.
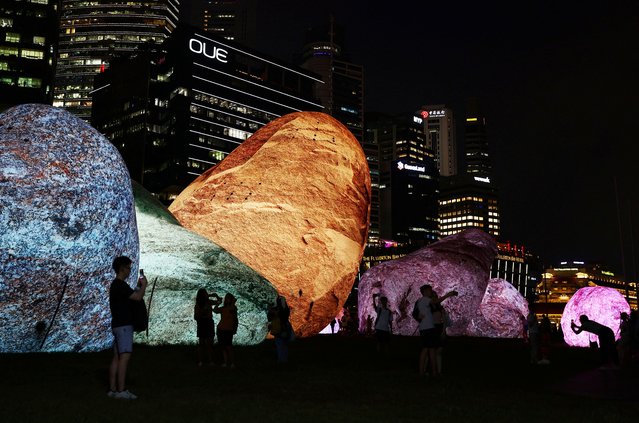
(233, 20)
(95, 33)
(477, 154)
(175, 112)
(467, 201)
(342, 95)
(439, 126)
(408, 180)
(519, 266)
(28, 43)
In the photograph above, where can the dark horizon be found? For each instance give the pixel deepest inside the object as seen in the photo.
(554, 82)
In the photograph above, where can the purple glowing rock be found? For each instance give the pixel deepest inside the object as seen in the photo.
(460, 262)
(67, 211)
(601, 304)
(503, 311)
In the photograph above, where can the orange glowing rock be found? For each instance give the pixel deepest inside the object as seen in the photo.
(293, 203)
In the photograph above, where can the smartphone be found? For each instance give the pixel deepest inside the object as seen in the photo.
(141, 272)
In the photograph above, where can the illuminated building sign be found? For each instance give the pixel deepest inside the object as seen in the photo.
(403, 166)
(417, 119)
(605, 272)
(480, 179)
(433, 114)
(210, 51)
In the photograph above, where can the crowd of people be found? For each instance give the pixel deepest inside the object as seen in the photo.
(428, 311)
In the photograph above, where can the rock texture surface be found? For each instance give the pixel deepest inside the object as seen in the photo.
(292, 202)
(458, 262)
(177, 263)
(601, 304)
(67, 211)
(503, 311)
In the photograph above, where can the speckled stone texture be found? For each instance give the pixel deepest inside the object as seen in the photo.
(292, 202)
(179, 262)
(66, 211)
(602, 304)
(503, 311)
(458, 262)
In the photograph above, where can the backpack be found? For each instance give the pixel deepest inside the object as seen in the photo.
(415, 313)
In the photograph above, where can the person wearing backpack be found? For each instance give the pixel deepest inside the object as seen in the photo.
(121, 297)
(428, 332)
(383, 323)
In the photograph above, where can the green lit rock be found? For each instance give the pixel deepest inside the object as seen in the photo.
(177, 263)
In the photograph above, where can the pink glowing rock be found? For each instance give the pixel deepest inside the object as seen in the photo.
(503, 311)
(601, 304)
(460, 262)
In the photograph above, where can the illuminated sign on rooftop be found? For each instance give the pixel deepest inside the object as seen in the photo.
(433, 114)
(417, 119)
(480, 179)
(207, 49)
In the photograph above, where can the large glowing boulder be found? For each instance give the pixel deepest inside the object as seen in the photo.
(177, 263)
(503, 311)
(601, 304)
(292, 202)
(458, 262)
(67, 211)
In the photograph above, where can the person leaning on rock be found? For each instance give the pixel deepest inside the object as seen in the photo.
(120, 297)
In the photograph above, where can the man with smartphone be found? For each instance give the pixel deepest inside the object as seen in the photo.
(120, 297)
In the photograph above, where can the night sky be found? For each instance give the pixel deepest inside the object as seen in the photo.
(557, 82)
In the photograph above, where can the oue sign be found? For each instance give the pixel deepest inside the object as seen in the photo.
(210, 51)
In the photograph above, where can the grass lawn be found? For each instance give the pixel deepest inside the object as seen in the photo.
(330, 378)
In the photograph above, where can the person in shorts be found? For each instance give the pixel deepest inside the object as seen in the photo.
(120, 297)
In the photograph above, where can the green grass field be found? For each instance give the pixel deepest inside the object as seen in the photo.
(330, 378)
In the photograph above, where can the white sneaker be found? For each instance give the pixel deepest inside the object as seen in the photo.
(111, 394)
(125, 395)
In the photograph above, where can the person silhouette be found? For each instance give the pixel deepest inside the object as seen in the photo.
(607, 348)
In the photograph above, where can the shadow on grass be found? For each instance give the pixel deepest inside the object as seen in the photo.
(329, 379)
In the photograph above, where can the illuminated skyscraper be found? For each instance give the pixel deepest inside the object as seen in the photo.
(28, 34)
(408, 184)
(439, 127)
(478, 161)
(93, 33)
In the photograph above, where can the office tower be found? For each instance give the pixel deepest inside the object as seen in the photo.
(519, 266)
(95, 33)
(408, 179)
(342, 95)
(467, 201)
(28, 41)
(233, 20)
(439, 126)
(477, 154)
(175, 112)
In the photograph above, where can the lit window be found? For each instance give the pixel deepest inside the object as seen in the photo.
(8, 51)
(12, 37)
(29, 82)
(6, 22)
(31, 54)
(4, 66)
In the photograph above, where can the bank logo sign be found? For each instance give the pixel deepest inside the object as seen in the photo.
(207, 49)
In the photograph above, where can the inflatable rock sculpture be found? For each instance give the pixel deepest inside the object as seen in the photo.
(177, 263)
(292, 202)
(67, 211)
(602, 304)
(503, 311)
(458, 262)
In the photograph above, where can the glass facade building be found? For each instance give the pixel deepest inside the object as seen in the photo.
(93, 33)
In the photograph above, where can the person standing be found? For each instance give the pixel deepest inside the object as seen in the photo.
(607, 347)
(383, 323)
(203, 315)
(624, 340)
(227, 328)
(280, 326)
(533, 336)
(121, 296)
(427, 330)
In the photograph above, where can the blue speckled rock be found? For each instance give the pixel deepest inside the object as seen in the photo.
(180, 262)
(66, 210)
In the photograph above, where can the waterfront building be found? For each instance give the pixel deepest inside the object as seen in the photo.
(519, 266)
(438, 125)
(559, 283)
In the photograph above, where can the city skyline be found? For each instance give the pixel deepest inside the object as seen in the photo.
(554, 82)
